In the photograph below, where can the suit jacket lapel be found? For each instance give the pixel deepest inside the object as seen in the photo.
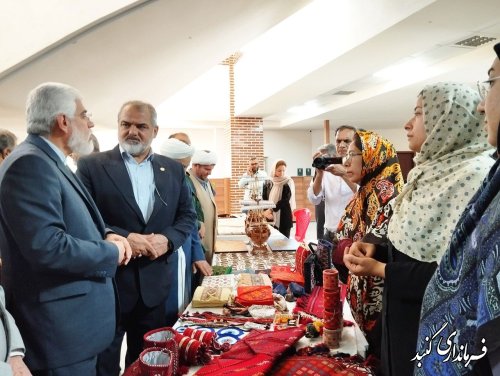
(117, 171)
(161, 179)
(74, 181)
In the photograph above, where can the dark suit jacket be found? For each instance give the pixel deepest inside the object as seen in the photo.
(106, 177)
(57, 269)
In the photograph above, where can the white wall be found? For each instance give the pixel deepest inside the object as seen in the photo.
(295, 147)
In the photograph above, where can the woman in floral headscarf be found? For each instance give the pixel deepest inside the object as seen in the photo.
(372, 163)
(452, 159)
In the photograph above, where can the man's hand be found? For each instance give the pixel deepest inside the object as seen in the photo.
(160, 245)
(203, 266)
(124, 249)
(141, 245)
(336, 169)
(201, 231)
(19, 368)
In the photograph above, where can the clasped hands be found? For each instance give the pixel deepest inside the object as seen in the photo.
(148, 245)
(359, 259)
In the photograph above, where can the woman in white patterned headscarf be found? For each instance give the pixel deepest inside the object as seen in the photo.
(452, 159)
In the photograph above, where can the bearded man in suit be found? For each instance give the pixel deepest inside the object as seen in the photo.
(142, 196)
(58, 257)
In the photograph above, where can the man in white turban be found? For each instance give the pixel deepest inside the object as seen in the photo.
(191, 254)
(202, 164)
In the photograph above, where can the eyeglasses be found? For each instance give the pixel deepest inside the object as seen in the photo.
(346, 141)
(483, 87)
(87, 116)
(347, 159)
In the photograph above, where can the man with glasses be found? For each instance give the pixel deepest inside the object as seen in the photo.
(59, 258)
(332, 184)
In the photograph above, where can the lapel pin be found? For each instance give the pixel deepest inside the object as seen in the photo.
(162, 168)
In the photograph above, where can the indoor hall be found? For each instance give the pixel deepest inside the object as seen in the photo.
(271, 80)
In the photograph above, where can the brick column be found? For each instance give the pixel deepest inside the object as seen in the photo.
(247, 140)
(246, 137)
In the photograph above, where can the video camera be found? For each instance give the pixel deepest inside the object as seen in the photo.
(323, 162)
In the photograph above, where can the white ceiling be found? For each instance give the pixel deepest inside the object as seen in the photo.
(168, 52)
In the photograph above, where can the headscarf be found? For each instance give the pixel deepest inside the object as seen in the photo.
(451, 164)
(277, 191)
(176, 149)
(381, 181)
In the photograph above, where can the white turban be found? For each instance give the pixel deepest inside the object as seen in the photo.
(176, 149)
(204, 157)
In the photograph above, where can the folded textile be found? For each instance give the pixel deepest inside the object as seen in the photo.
(224, 280)
(210, 296)
(286, 274)
(219, 269)
(251, 295)
(254, 354)
(247, 279)
(318, 365)
(312, 304)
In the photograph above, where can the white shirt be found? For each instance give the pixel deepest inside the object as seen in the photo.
(337, 195)
(248, 182)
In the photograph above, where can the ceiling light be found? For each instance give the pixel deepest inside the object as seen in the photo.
(474, 41)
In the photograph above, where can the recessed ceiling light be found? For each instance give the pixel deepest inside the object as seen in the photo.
(474, 41)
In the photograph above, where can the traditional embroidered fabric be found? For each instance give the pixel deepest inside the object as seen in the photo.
(381, 182)
(317, 365)
(210, 296)
(448, 170)
(463, 292)
(261, 261)
(303, 251)
(248, 279)
(258, 295)
(225, 280)
(255, 354)
(286, 274)
(312, 304)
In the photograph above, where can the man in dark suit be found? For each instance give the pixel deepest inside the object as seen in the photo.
(58, 268)
(144, 197)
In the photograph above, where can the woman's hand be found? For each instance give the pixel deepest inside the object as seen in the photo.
(363, 265)
(362, 249)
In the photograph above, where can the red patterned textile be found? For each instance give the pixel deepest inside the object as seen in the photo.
(317, 365)
(254, 354)
(250, 295)
(300, 257)
(312, 304)
(286, 274)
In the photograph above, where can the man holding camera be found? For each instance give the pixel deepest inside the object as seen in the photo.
(332, 185)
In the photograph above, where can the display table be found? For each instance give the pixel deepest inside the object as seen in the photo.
(233, 249)
(352, 342)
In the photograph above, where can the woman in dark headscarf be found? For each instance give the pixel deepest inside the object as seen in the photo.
(462, 300)
(372, 163)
